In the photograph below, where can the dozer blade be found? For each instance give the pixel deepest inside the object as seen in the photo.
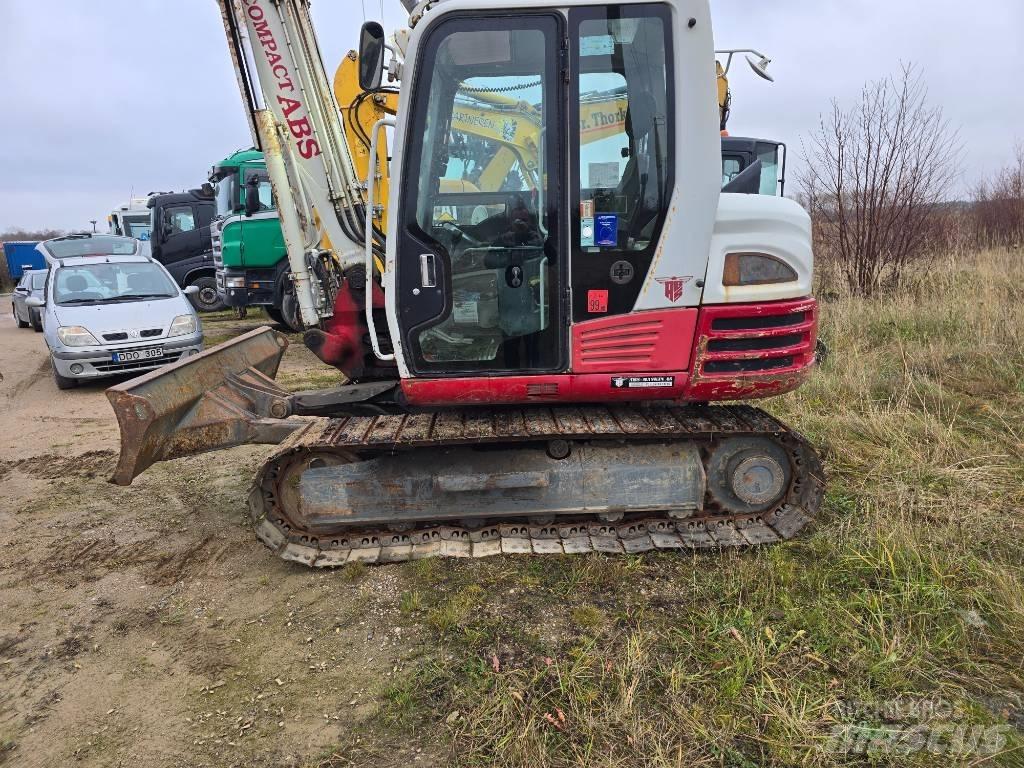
(203, 403)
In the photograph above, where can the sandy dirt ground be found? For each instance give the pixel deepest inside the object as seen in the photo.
(145, 626)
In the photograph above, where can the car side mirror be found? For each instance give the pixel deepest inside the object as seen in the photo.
(191, 290)
(371, 56)
(35, 302)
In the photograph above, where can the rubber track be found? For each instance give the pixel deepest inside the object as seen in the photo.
(372, 435)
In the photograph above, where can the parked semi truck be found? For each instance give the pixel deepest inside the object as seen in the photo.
(249, 253)
(131, 219)
(180, 240)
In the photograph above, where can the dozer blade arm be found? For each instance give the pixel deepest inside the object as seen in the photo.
(221, 398)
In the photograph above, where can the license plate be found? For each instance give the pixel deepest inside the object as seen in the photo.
(136, 354)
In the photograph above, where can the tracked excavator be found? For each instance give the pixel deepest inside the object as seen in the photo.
(549, 368)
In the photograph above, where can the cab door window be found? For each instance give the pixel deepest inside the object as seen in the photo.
(259, 181)
(731, 167)
(623, 145)
(180, 218)
(480, 200)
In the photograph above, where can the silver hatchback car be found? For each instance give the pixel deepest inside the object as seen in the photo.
(31, 284)
(112, 313)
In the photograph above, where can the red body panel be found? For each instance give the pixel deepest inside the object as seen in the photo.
(340, 341)
(653, 342)
(739, 352)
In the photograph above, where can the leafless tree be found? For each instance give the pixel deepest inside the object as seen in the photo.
(998, 211)
(875, 177)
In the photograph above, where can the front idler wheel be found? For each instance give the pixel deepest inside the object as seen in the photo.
(748, 475)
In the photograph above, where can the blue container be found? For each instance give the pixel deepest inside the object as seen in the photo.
(22, 255)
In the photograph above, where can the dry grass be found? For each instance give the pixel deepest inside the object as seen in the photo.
(910, 585)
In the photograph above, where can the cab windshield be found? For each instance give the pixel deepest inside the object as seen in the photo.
(111, 282)
(137, 226)
(226, 194)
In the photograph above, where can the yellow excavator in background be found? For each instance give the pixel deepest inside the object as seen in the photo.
(514, 125)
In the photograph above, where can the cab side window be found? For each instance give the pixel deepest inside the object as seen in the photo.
(181, 219)
(731, 167)
(622, 68)
(260, 182)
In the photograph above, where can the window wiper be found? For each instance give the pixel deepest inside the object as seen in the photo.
(79, 301)
(131, 296)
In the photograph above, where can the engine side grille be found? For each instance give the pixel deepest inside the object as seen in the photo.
(737, 340)
(754, 323)
(658, 340)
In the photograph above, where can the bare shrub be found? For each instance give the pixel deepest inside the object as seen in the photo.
(875, 176)
(998, 210)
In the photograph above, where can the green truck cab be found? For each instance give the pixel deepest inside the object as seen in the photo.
(248, 250)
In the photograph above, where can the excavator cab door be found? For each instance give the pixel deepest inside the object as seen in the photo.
(481, 259)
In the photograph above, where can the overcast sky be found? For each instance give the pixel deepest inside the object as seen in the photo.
(102, 99)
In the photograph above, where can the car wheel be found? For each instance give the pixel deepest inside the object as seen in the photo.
(21, 323)
(207, 299)
(63, 382)
(290, 315)
(36, 319)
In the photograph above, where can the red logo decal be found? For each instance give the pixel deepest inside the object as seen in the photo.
(597, 301)
(673, 286)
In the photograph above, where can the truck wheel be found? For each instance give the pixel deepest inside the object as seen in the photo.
(290, 314)
(36, 319)
(21, 323)
(62, 381)
(207, 299)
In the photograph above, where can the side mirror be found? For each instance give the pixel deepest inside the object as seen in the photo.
(35, 302)
(252, 199)
(191, 290)
(371, 56)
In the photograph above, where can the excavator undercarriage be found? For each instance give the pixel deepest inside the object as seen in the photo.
(564, 480)
(357, 476)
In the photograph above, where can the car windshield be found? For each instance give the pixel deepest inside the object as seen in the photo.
(94, 245)
(111, 282)
(38, 280)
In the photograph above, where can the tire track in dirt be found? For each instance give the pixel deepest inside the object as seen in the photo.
(25, 384)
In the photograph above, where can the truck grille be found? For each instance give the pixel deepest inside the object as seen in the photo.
(218, 260)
